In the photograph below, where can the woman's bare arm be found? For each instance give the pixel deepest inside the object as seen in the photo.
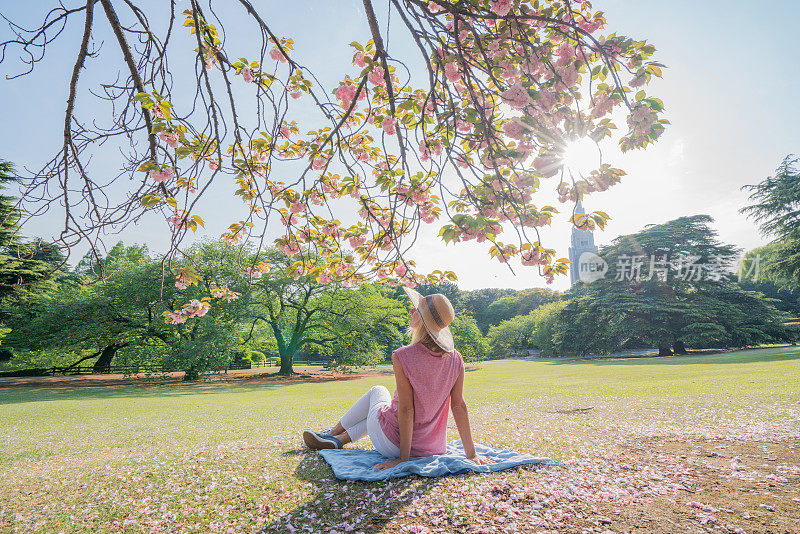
(405, 409)
(459, 409)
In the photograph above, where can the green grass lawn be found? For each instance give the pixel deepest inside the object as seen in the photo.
(219, 456)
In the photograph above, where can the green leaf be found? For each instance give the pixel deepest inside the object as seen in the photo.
(150, 200)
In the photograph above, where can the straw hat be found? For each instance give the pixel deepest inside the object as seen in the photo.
(436, 313)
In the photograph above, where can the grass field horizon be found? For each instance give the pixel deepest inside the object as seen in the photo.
(216, 456)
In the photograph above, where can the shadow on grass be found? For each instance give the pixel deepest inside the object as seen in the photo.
(366, 506)
(762, 355)
(13, 391)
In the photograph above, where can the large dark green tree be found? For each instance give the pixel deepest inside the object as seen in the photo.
(20, 267)
(24, 267)
(776, 208)
(517, 303)
(355, 326)
(757, 273)
(669, 286)
(94, 318)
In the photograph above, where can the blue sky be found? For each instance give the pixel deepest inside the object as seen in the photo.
(730, 90)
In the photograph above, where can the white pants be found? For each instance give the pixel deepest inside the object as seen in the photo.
(362, 419)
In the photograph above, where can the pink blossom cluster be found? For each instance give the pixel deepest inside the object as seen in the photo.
(169, 137)
(590, 26)
(178, 221)
(433, 7)
(501, 7)
(532, 257)
(479, 235)
(331, 186)
(565, 193)
(256, 271)
(277, 55)
(182, 282)
(357, 240)
(516, 96)
(162, 175)
(346, 92)
(211, 56)
(427, 214)
(505, 253)
(462, 126)
(319, 162)
(247, 74)
(301, 271)
(602, 105)
(532, 222)
(289, 249)
(514, 128)
(316, 198)
(331, 229)
(375, 76)
(224, 293)
(639, 79)
(546, 100)
(452, 71)
(641, 120)
(388, 124)
(425, 153)
(360, 60)
(195, 308)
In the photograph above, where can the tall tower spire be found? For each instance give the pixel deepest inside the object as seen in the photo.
(581, 241)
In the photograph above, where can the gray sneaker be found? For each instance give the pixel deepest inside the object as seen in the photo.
(321, 440)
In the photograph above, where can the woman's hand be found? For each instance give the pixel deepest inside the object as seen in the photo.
(480, 459)
(388, 465)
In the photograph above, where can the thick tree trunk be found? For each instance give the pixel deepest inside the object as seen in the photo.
(103, 363)
(663, 350)
(286, 364)
(679, 348)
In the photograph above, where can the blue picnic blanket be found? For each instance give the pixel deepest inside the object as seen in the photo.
(355, 464)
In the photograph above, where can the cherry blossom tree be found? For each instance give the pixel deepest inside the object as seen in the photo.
(462, 144)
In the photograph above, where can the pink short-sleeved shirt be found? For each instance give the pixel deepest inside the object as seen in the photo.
(432, 377)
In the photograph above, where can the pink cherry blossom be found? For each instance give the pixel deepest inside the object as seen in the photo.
(319, 163)
(513, 129)
(375, 77)
(388, 125)
(602, 105)
(502, 7)
(357, 241)
(360, 60)
(452, 72)
(277, 55)
(516, 96)
(316, 199)
(162, 175)
(171, 138)
(547, 166)
(247, 75)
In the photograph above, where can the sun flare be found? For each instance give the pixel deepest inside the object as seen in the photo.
(582, 156)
